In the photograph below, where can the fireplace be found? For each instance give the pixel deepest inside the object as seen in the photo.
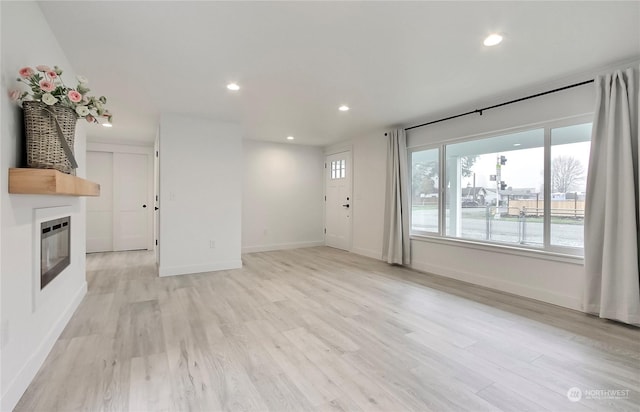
(55, 247)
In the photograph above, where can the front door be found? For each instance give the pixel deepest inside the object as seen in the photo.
(339, 201)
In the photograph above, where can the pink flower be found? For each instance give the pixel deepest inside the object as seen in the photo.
(74, 96)
(52, 74)
(47, 86)
(14, 95)
(26, 72)
(43, 68)
(90, 118)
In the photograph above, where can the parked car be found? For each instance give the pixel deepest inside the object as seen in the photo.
(470, 203)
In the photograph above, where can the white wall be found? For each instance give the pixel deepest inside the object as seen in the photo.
(550, 281)
(555, 281)
(572, 102)
(282, 205)
(369, 178)
(200, 195)
(27, 335)
(558, 281)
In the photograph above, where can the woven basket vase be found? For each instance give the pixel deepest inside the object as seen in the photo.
(44, 150)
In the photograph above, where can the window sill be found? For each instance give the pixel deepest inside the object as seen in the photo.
(502, 248)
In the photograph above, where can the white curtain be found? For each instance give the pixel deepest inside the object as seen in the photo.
(396, 249)
(612, 217)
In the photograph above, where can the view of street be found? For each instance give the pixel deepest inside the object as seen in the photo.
(477, 222)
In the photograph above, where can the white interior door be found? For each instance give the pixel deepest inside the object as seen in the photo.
(131, 201)
(100, 208)
(339, 204)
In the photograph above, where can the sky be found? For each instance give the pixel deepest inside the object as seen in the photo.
(524, 152)
(524, 168)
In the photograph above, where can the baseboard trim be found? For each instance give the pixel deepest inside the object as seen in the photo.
(281, 246)
(191, 269)
(501, 285)
(21, 382)
(368, 253)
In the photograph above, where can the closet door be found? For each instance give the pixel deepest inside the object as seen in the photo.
(100, 209)
(131, 201)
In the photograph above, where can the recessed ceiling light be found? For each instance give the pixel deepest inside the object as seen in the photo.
(107, 124)
(493, 39)
(233, 86)
(290, 137)
(517, 144)
(343, 108)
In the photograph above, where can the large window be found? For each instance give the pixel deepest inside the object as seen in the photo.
(498, 190)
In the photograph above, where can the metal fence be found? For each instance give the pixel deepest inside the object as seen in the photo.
(523, 216)
(559, 208)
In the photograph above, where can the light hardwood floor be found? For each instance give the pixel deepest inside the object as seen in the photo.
(323, 329)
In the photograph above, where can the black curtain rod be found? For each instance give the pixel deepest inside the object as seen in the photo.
(479, 111)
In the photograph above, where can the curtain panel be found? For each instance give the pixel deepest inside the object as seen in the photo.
(396, 248)
(612, 215)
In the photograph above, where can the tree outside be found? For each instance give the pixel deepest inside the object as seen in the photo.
(425, 175)
(425, 178)
(567, 174)
(466, 163)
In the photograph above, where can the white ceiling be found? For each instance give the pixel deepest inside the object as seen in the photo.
(391, 62)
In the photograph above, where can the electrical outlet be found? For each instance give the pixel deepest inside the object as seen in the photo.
(212, 244)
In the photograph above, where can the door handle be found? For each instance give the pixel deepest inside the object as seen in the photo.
(144, 205)
(347, 205)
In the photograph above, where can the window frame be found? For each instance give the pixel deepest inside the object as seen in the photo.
(548, 250)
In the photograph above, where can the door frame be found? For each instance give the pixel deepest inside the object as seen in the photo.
(156, 195)
(134, 149)
(328, 151)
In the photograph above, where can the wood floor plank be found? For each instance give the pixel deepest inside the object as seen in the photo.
(507, 400)
(368, 394)
(315, 386)
(235, 389)
(324, 330)
(148, 386)
(191, 386)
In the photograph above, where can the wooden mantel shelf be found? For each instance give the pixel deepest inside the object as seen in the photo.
(50, 182)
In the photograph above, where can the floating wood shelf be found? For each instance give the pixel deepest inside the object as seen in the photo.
(50, 182)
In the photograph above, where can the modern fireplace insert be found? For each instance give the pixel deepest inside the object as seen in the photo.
(55, 247)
